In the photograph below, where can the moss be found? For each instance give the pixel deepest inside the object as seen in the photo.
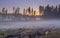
(4, 34)
(54, 32)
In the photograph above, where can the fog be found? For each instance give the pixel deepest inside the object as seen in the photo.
(18, 22)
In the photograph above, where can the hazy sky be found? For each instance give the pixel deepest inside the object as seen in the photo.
(26, 3)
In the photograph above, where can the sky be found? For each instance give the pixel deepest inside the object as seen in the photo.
(9, 4)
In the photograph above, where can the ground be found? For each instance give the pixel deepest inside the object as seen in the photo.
(32, 33)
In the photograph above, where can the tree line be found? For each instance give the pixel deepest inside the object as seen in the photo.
(53, 11)
(48, 11)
